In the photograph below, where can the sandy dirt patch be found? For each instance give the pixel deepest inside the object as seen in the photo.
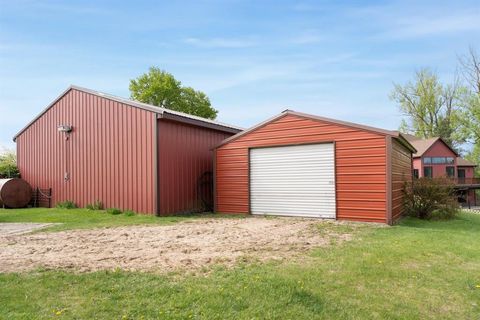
(188, 245)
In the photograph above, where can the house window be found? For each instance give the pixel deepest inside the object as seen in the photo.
(450, 172)
(427, 172)
(415, 173)
(438, 160)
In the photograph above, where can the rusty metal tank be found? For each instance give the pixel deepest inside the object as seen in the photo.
(15, 193)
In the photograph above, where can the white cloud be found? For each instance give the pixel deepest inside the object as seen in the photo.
(221, 42)
(269, 68)
(308, 37)
(247, 75)
(302, 38)
(424, 26)
(400, 21)
(53, 8)
(309, 7)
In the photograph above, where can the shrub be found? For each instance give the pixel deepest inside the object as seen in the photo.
(114, 211)
(129, 213)
(8, 165)
(97, 205)
(427, 198)
(68, 204)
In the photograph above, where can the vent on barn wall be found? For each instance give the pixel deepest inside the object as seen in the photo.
(65, 128)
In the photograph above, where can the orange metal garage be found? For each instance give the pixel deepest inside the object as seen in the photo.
(303, 165)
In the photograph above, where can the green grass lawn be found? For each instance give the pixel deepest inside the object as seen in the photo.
(415, 270)
(85, 219)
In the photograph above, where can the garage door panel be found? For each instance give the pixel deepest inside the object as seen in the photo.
(278, 209)
(273, 157)
(268, 207)
(288, 191)
(286, 162)
(293, 180)
(283, 198)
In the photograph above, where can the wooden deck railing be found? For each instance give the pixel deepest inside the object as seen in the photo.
(466, 181)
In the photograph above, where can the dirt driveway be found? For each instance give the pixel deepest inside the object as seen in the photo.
(187, 245)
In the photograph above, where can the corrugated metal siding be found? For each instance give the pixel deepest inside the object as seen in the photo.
(401, 173)
(293, 180)
(109, 155)
(185, 152)
(360, 165)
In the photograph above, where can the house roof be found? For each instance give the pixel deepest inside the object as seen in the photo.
(384, 132)
(423, 145)
(160, 111)
(461, 162)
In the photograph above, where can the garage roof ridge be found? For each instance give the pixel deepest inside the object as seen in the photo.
(344, 123)
(175, 115)
(391, 133)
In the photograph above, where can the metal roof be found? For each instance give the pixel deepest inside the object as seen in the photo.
(162, 112)
(394, 134)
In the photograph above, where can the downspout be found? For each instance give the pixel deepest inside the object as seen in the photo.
(388, 187)
(157, 164)
(215, 180)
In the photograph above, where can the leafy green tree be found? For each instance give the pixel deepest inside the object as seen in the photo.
(8, 165)
(430, 108)
(474, 156)
(196, 103)
(160, 88)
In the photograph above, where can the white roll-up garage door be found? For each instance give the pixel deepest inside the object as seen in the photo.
(293, 180)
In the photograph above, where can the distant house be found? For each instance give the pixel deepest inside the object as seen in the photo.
(435, 158)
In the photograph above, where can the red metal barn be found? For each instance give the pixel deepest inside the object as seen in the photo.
(303, 165)
(90, 146)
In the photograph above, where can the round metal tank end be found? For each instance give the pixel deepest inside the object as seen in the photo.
(15, 193)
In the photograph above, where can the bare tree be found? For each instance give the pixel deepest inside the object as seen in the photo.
(469, 120)
(470, 69)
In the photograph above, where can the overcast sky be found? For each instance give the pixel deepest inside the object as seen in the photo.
(253, 58)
